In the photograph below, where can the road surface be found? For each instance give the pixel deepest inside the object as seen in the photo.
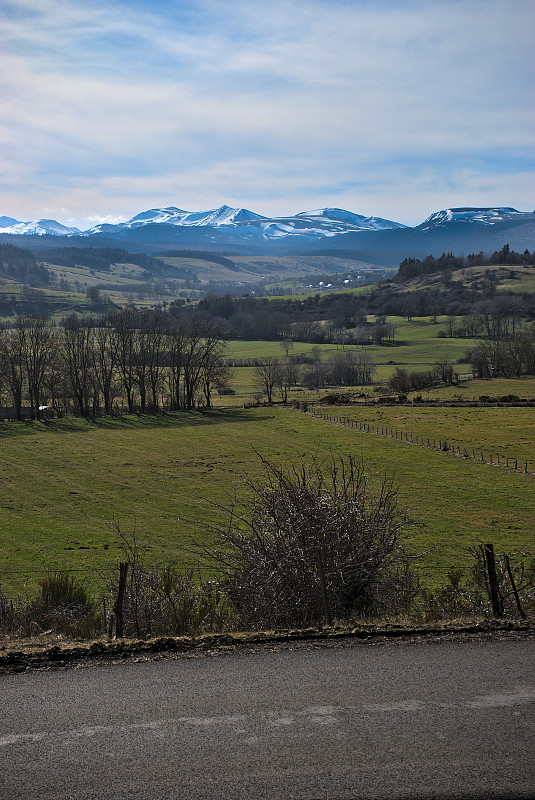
(443, 719)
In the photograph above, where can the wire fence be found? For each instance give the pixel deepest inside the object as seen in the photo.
(522, 465)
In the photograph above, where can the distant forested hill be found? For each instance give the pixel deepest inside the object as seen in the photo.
(414, 267)
(19, 264)
(102, 258)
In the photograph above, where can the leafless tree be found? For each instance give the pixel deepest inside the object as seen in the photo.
(175, 350)
(202, 341)
(35, 336)
(156, 355)
(124, 323)
(13, 368)
(216, 373)
(287, 345)
(77, 349)
(105, 360)
(266, 376)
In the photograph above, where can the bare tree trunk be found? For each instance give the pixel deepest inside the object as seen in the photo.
(513, 586)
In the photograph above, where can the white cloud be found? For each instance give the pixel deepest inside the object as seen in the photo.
(301, 103)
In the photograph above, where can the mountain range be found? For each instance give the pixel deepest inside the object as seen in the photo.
(329, 231)
(322, 222)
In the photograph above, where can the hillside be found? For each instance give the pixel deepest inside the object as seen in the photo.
(75, 279)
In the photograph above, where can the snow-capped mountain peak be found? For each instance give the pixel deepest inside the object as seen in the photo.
(481, 216)
(225, 215)
(358, 221)
(157, 215)
(227, 226)
(40, 228)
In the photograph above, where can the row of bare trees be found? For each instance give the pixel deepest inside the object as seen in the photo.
(507, 357)
(345, 368)
(130, 360)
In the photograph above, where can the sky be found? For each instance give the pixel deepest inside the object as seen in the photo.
(391, 108)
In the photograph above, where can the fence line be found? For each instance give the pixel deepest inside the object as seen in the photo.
(474, 454)
(104, 580)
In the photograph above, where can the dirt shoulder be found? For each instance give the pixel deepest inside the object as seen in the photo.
(29, 657)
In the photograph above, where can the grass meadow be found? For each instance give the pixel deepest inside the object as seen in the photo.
(417, 347)
(66, 484)
(507, 433)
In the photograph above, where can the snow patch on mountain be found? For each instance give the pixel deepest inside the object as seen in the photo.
(40, 228)
(240, 224)
(225, 215)
(480, 216)
(358, 221)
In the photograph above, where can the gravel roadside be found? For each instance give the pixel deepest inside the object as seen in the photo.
(75, 655)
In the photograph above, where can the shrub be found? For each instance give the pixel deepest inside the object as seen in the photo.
(467, 591)
(166, 599)
(169, 601)
(64, 606)
(7, 612)
(312, 543)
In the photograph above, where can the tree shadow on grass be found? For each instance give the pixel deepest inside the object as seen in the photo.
(132, 421)
(181, 418)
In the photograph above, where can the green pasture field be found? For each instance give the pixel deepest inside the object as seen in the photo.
(505, 432)
(523, 388)
(241, 349)
(59, 303)
(65, 483)
(510, 278)
(416, 342)
(417, 348)
(129, 276)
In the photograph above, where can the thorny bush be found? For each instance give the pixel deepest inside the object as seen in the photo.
(312, 544)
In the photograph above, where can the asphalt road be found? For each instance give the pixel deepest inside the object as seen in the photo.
(400, 720)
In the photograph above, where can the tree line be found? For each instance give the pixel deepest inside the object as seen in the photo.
(129, 360)
(19, 264)
(344, 318)
(341, 317)
(413, 267)
(345, 368)
(327, 319)
(510, 356)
